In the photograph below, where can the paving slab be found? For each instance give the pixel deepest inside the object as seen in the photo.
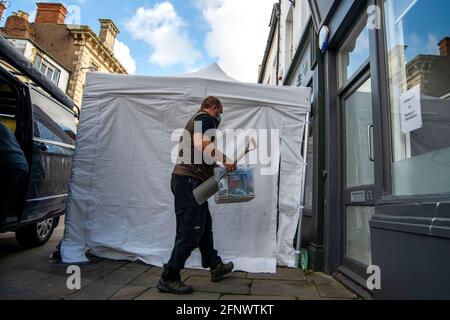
(318, 277)
(228, 285)
(282, 274)
(15, 293)
(97, 290)
(334, 290)
(186, 273)
(254, 298)
(154, 294)
(125, 274)
(53, 288)
(20, 278)
(148, 279)
(299, 289)
(128, 293)
(97, 270)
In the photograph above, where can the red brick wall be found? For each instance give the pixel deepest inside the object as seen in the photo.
(444, 47)
(18, 27)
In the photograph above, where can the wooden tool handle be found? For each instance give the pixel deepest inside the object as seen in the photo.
(249, 146)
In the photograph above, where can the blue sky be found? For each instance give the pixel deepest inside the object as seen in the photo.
(169, 37)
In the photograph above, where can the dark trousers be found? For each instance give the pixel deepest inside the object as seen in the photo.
(194, 229)
(13, 187)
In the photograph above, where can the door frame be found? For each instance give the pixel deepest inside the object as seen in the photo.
(360, 77)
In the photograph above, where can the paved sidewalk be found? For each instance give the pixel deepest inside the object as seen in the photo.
(29, 274)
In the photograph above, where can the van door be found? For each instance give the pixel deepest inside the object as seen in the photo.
(54, 134)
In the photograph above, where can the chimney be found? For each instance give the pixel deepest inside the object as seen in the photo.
(23, 15)
(444, 47)
(2, 9)
(18, 26)
(108, 33)
(51, 13)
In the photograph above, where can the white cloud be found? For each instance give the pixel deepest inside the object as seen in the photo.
(164, 31)
(433, 44)
(123, 54)
(238, 35)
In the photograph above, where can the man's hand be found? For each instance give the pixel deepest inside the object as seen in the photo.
(230, 167)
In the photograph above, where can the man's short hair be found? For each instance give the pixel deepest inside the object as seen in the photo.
(210, 102)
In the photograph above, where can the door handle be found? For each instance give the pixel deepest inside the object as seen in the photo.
(370, 142)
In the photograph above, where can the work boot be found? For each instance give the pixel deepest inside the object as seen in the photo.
(218, 273)
(175, 287)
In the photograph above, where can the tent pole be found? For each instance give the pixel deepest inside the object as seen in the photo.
(302, 194)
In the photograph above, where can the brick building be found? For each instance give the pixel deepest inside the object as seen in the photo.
(57, 48)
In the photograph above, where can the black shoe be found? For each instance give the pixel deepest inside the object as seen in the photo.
(175, 287)
(56, 256)
(222, 270)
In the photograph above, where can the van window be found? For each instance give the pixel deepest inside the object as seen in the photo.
(51, 120)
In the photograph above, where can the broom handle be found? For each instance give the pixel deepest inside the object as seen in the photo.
(246, 150)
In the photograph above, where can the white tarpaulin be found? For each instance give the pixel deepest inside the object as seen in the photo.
(120, 205)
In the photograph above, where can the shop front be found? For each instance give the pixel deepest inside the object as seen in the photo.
(386, 129)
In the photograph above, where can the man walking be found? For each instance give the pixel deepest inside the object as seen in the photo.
(194, 224)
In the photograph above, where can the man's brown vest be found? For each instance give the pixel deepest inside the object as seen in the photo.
(199, 171)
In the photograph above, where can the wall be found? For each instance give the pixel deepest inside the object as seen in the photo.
(270, 75)
(56, 40)
(300, 14)
(29, 50)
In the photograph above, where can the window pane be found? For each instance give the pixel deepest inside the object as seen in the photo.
(60, 123)
(324, 7)
(358, 234)
(43, 68)
(355, 51)
(50, 73)
(358, 119)
(56, 76)
(418, 48)
(37, 61)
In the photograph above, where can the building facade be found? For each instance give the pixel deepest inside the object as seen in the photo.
(378, 190)
(64, 52)
(291, 59)
(386, 109)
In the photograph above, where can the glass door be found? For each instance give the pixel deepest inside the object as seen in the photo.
(358, 175)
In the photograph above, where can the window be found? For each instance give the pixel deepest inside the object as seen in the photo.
(289, 37)
(358, 124)
(52, 121)
(49, 70)
(355, 51)
(320, 10)
(358, 233)
(418, 57)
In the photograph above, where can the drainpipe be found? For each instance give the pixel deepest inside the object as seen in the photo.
(279, 41)
(298, 246)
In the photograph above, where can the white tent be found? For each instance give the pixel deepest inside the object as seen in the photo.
(120, 205)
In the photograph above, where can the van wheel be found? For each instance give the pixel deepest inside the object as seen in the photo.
(36, 234)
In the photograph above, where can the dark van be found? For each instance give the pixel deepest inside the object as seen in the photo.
(42, 121)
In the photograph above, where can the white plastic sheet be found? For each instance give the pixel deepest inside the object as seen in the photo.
(120, 205)
(291, 172)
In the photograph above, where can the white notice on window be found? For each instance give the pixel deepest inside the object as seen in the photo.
(411, 110)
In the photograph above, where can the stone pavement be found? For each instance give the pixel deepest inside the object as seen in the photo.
(30, 275)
